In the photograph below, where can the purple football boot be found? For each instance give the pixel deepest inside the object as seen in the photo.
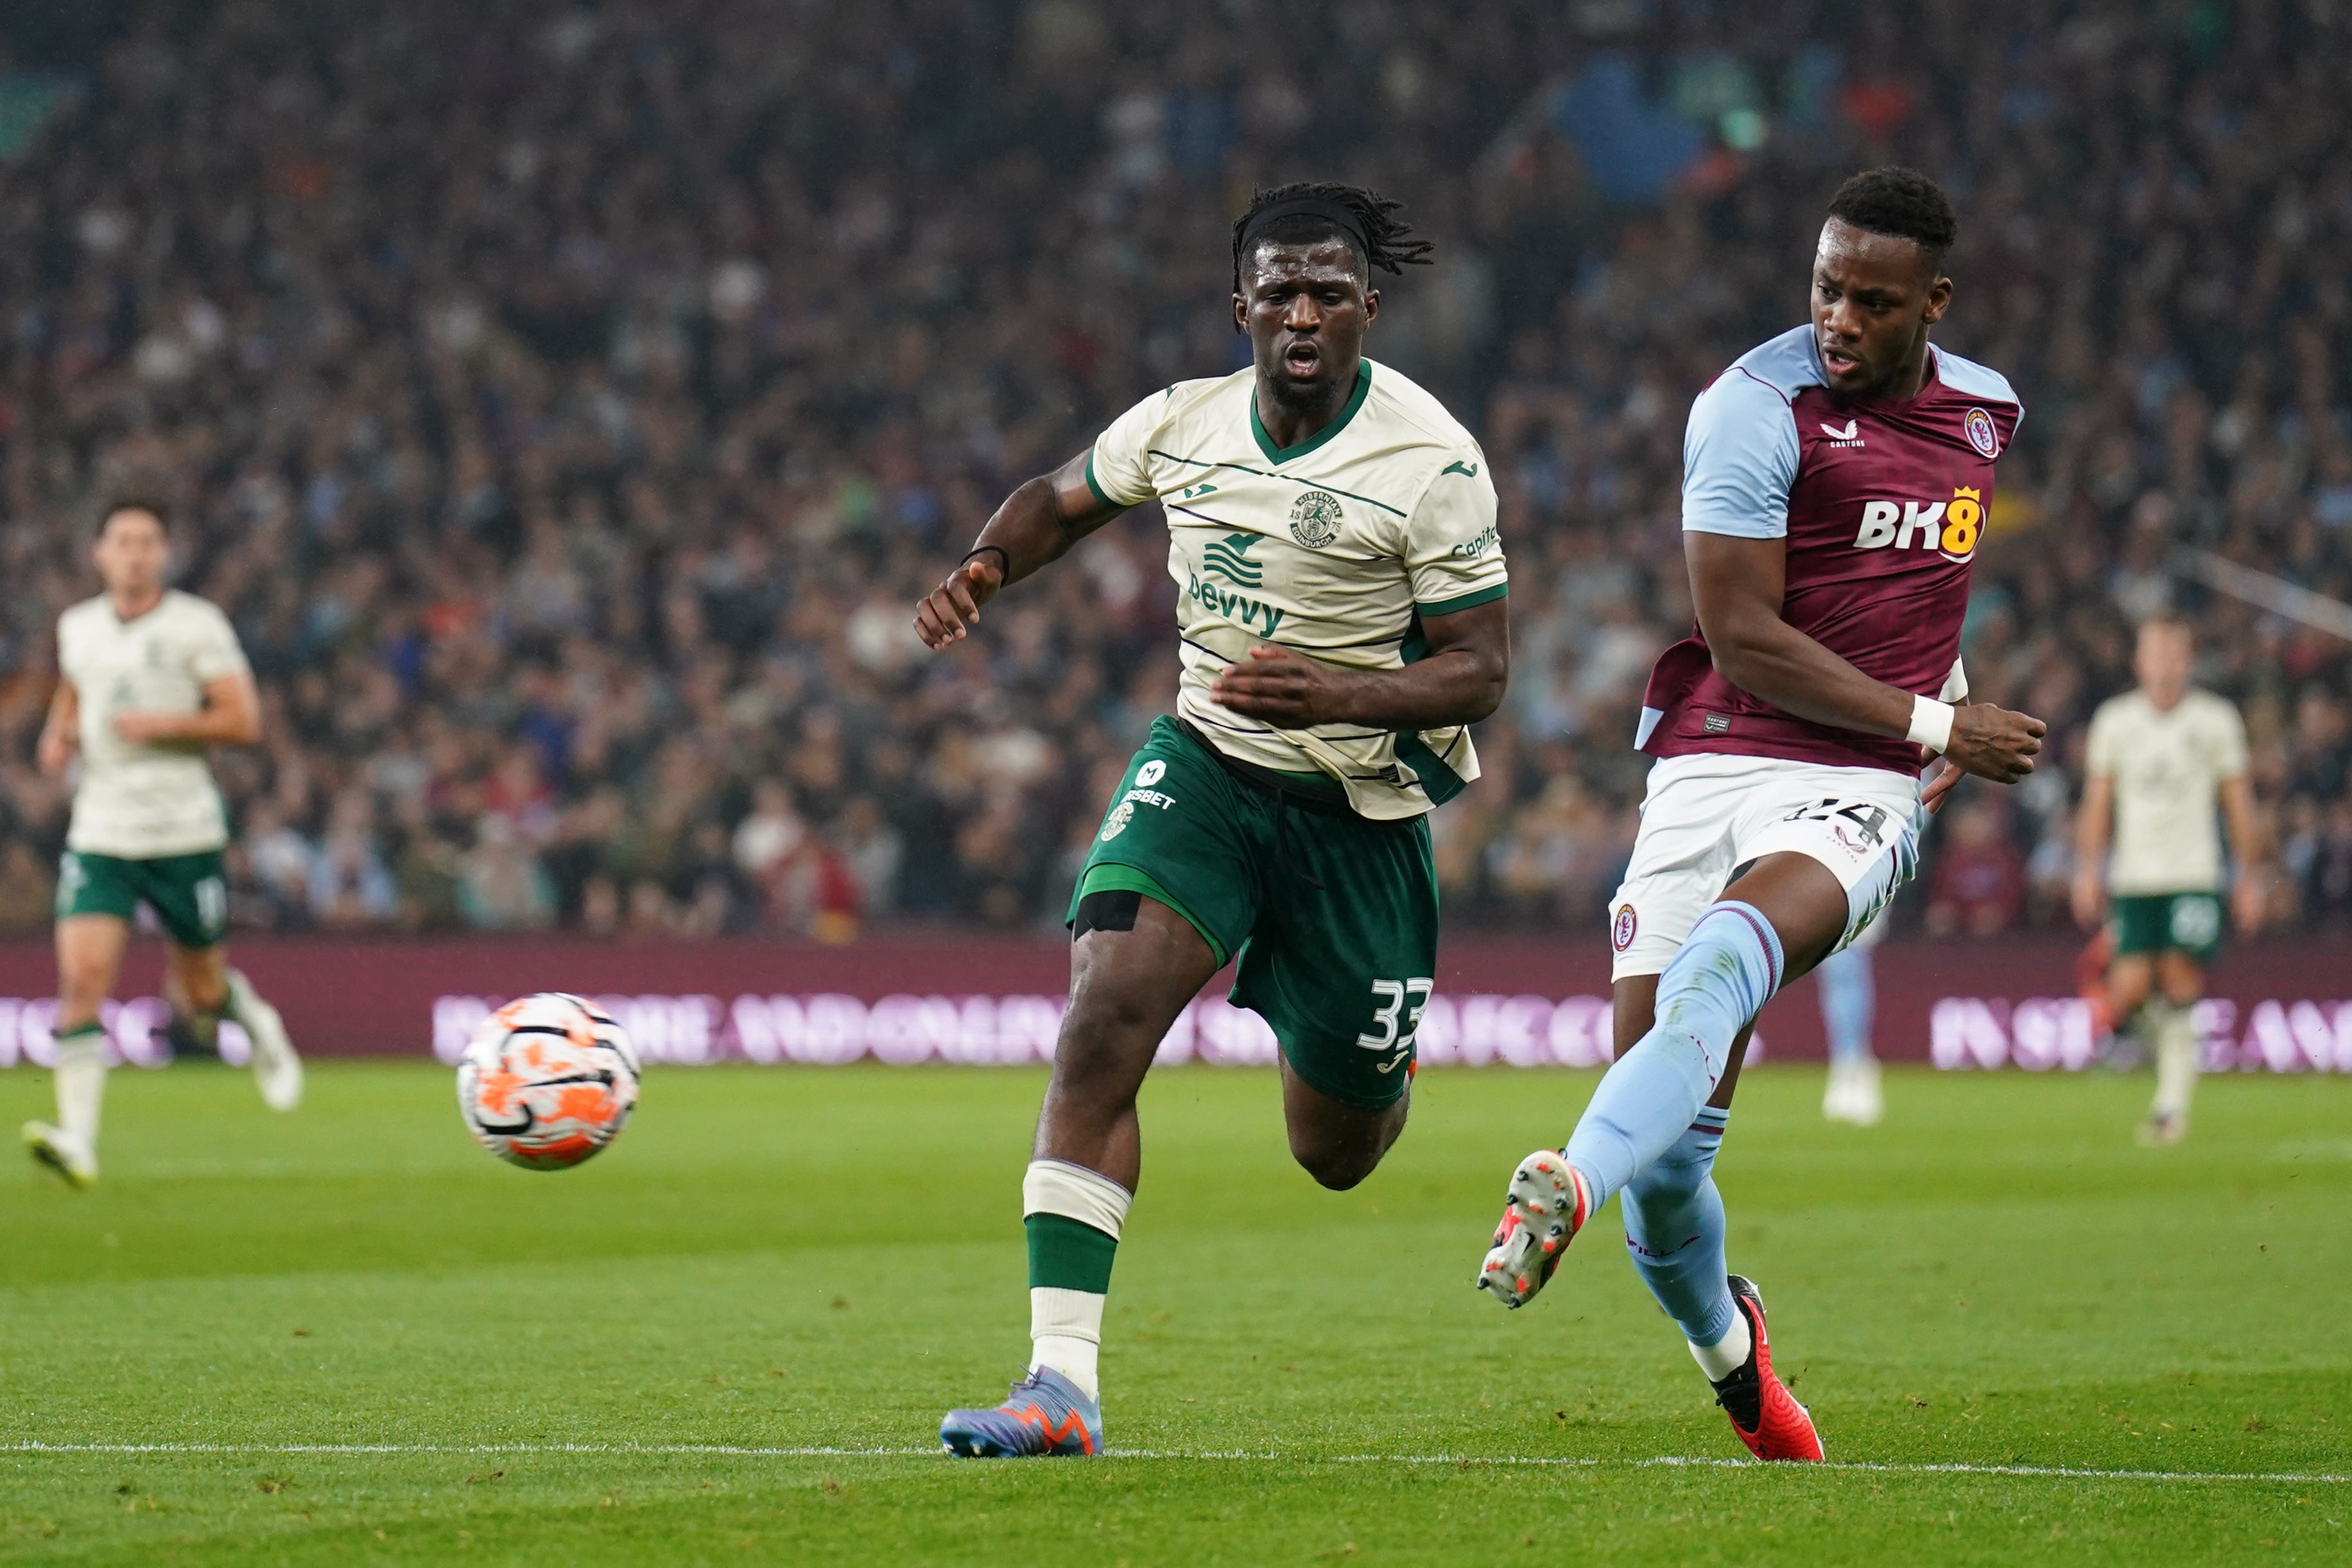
(1045, 1414)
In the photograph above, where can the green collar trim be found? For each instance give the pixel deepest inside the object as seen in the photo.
(1285, 453)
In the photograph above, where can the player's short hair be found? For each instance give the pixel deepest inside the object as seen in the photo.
(2165, 621)
(1310, 211)
(1901, 204)
(133, 501)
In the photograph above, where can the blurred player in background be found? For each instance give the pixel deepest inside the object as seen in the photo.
(1834, 486)
(1342, 621)
(1849, 1006)
(149, 677)
(2161, 759)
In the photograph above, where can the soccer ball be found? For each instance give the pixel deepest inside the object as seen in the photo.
(546, 1081)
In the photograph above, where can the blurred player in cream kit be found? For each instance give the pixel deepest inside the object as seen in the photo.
(2149, 860)
(149, 678)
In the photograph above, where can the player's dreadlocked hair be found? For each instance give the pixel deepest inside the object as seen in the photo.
(1903, 203)
(1311, 210)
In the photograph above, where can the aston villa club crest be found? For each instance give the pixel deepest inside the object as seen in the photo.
(1315, 519)
(1622, 929)
(1981, 433)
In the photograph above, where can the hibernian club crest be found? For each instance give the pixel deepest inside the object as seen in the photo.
(1315, 519)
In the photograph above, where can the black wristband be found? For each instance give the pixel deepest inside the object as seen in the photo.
(1004, 561)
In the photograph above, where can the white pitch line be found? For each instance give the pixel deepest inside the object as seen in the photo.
(730, 1450)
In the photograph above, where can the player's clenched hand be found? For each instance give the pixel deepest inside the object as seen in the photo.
(1993, 743)
(1940, 785)
(55, 752)
(1278, 687)
(947, 610)
(142, 728)
(2089, 897)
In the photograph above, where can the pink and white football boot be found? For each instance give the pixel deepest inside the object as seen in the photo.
(1547, 1205)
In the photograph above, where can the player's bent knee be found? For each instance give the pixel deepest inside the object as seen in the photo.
(1335, 1169)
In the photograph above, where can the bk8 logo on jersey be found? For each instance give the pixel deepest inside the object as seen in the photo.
(1949, 527)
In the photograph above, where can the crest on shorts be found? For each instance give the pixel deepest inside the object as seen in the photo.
(1621, 928)
(1116, 825)
(1315, 519)
(1981, 433)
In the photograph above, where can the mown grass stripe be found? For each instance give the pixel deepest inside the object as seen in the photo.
(1555, 1461)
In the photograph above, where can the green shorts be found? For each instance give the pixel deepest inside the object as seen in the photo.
(188, 893)
(1334, 915)
(2188, 923)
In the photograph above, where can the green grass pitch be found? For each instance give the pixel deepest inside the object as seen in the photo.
(353, 1337)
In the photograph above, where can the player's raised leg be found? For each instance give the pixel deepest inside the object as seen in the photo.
(1134, 965)
(90, 956)
(1849, 990)
(204, 989)
(2172, 1019)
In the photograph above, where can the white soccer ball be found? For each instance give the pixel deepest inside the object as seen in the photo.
(546, 1081)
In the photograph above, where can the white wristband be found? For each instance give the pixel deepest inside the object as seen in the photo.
(1931, 724)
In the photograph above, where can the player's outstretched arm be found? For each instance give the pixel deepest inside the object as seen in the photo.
(231, 716)
(1739, 583)
(2250, 847)
(1036, 524)
(2092, 819)
(61, 733)
(1460, 681)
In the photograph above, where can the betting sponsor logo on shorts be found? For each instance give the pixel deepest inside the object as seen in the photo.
(1622, 928)
(1949, 527)
(1315, 519)
(1151, 773)
(1981, 433)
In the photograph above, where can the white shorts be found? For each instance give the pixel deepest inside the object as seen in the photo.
(1706, 815)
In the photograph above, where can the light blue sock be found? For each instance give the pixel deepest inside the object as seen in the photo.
(1674, 1231)
(1849, 998)
(1727, 968)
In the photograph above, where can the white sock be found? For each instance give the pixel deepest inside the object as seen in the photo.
(1066, 1333)
(1727, 1354)
(81, 1086)
(1065, 1323)
(2177, 1064)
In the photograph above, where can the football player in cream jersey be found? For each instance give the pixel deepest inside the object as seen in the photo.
(2161, 759)
(149, 678)
(1341, 620)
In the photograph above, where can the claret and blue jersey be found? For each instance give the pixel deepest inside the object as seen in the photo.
(1883, 502)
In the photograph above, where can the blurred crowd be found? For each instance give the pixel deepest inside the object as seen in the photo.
(568, 403)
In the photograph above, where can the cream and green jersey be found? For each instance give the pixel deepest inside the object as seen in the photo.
(136, 800)
(1336, 548)
(2168, 765)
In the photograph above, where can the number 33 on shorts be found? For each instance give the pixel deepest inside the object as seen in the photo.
(1389, 998)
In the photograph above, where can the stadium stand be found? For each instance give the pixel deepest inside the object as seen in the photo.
(568, 405)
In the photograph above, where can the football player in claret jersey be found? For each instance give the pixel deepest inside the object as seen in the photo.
(1834, 487)
(1341, 620)
(149, 677)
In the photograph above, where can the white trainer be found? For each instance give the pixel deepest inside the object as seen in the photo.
(65, 1154)
(1854, 1096)
(276, 1070)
